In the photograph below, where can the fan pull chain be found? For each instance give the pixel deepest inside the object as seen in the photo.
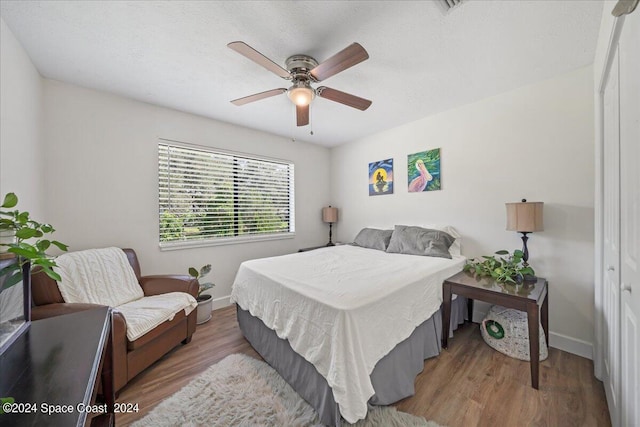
(311, 120)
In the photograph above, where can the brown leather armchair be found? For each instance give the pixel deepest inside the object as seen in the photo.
(129, 358)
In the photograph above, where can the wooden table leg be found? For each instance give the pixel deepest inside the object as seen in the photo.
(545, 317)
(470, 309)
(446, 313)
(534, 342)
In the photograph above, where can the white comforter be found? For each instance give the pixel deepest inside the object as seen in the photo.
(344, 308)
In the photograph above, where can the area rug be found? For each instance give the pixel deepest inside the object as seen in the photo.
(242, 391)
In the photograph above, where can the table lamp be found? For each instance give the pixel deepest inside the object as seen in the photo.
(330, 215)
(524, 217)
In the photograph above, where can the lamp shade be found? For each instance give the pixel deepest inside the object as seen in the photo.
(330, 214)
(524, 216)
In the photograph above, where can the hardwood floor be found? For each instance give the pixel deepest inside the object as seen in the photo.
(469, 384)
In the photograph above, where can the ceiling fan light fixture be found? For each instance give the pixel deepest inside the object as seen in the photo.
(301, 94)
(302, 70)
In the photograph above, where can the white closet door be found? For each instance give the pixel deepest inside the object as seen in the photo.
(611, 241)
(629, 83)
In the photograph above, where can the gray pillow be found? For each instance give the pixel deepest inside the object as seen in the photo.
(373, 238)
(420, 241)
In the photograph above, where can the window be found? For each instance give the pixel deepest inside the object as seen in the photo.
(209, 197)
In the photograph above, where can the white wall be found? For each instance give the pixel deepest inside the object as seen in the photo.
(535, 142)
(102, 179)
(21, 144)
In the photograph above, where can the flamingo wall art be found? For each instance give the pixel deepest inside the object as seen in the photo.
(423, 171)
(381, 177)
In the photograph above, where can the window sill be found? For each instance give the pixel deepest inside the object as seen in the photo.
(172, 246)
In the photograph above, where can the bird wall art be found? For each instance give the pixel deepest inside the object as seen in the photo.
(423, 171)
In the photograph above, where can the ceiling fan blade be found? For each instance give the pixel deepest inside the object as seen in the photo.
(346, 58)
(343, 98)
(245, 50)
(302, 115)
(258, 96)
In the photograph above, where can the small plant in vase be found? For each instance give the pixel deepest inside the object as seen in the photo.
(205, 301)
(505, 268)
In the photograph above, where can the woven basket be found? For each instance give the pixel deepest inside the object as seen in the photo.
(513, 327)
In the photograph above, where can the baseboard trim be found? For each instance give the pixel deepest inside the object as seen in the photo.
(221, 302)
(571, 345)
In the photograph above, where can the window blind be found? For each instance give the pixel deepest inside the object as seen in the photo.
(208, 196)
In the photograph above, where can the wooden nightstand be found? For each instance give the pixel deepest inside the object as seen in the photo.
(530, 297)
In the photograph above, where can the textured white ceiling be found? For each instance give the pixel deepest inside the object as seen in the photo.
(422, 60)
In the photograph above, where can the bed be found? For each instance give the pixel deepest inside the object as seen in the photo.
(346, 326)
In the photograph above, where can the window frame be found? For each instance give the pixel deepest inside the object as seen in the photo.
(226, 240)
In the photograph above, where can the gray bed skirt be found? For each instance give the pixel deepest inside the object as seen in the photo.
(393, 376)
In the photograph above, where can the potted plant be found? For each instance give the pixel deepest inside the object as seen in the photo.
(506, 268)
(17, 232)
(205, 301)
(23, 245)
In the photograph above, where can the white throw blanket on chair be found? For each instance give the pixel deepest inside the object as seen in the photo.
(97, 276)
(144, 314)
(104, 276)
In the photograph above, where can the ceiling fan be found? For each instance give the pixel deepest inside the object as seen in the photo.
(303, 70)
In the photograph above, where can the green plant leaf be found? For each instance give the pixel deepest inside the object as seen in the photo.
(47, 228)
(10, 201)
(26, 233)
(28, 253)
(205, 270)
(193, 272)
(509, 279)
(22, 217)
(527, 270)
(44, 262)
(502, 252)
(60, 246)
(43, 245)
(49, 272)
(55, 276)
